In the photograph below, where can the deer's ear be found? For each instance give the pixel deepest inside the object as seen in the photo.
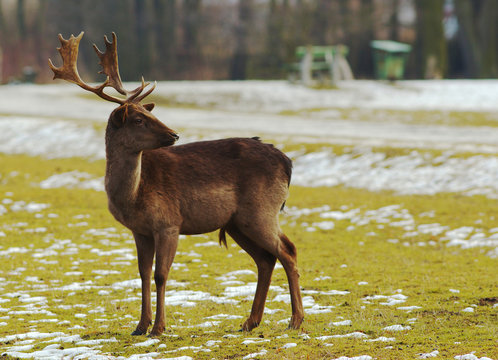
(118, 116)
(149, 107)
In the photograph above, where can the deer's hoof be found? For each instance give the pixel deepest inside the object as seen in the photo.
(155, 333)
(295, 322)
(138, 332)
(249, 325)
(142, 327)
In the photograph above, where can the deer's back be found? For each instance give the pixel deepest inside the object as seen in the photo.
(208, 182)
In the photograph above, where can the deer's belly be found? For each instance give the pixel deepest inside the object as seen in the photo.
(208, 212)
(195, 213)
(201, 226)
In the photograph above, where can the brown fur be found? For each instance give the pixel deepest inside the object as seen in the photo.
(237, 185)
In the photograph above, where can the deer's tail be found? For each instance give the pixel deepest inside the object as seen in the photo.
(222, 237)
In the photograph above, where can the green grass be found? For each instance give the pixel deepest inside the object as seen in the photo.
(349, 253)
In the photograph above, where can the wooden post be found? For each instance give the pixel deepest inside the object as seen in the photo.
(305, 67)
(340, 69)
(344, 68)
(330, 59)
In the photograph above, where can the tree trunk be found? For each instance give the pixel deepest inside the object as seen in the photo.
(39, 36)
(165, 33)
(143, 47)
(21, 19)
(478, 37)
(487, 29)
(431, 43)
(467, 37)
(238, 66)
(273, 54)
(191, 25)
(360, 35)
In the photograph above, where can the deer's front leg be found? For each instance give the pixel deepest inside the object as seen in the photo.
(145, 254)
(166, 242)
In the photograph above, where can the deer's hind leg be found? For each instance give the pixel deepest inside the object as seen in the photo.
(268, 236)
(265, 262)
(287, 255)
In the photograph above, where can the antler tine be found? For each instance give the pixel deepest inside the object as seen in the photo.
(143, 96)
(109, 62)
(135, 93)
(69, 71)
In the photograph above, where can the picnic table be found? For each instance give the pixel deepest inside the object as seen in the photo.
(322, 63)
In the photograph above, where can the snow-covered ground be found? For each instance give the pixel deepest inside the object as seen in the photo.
(268, 96)
(55, 121)
(253, 107)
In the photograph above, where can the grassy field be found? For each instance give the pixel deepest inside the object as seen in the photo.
(382, 276)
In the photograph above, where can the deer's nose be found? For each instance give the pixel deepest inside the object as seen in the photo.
(176, 136)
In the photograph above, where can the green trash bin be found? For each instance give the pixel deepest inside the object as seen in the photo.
(390, 59)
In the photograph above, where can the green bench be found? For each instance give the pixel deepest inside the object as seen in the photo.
(320, 63)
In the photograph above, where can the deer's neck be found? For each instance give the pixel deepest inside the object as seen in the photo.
(123, 173)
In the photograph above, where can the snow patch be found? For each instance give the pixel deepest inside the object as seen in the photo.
(397, 328)
(428, 355)
(404, 174)
(73, 179)
(149, 342)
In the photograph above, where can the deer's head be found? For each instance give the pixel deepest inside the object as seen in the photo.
(132, 123)
(137, 129)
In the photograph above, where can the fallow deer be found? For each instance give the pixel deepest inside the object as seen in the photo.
(158, 191)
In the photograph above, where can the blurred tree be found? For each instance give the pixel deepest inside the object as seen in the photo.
(66, 18)
(488, 29)
(143, 40)
(217, 39)
(2, 43)
(467, 36)
(190, 53)
(303, 22)
(165, 34)
(20, 49)
(430, 46)
(477, 36)
(359, 34)
(288, 29)
(38, 35)
(21, 23)
(322, 17)
(238, 65)
(102, 18)
(274, 52)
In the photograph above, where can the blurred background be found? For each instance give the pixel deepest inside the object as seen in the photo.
(248, 39)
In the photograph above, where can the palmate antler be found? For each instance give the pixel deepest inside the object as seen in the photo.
(109, 61)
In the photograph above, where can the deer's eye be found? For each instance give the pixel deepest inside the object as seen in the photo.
(139, 120)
